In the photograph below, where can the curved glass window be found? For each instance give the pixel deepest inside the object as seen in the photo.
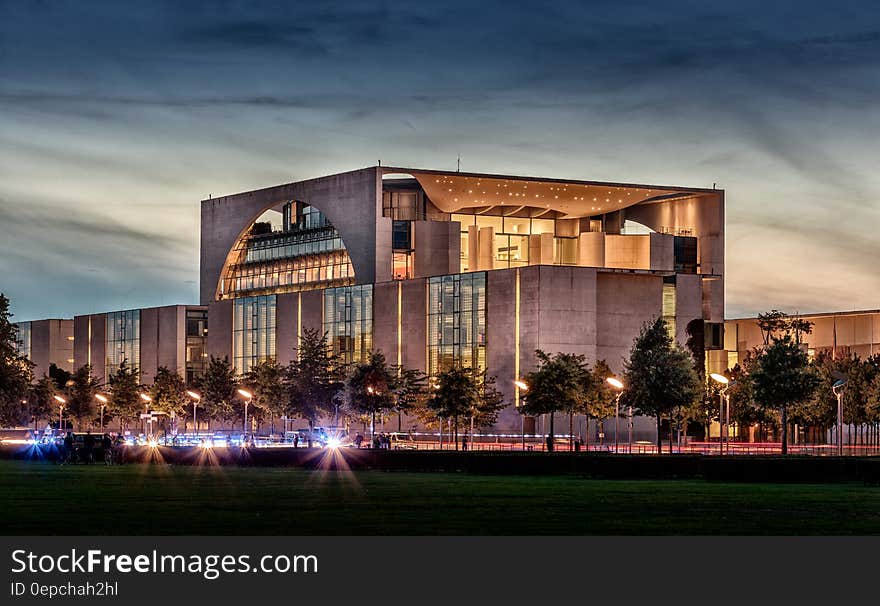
(305, 253)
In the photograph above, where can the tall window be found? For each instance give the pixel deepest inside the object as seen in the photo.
(196, 343)
(23, 339)
(669, 304)
(123, 340)
(457, 321)
(348, 321)
(253, 331)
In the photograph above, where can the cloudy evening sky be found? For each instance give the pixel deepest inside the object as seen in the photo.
(117, 118)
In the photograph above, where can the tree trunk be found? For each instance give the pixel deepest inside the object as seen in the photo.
(455, 430)
(784, 429)
(550, 437)
(587, 435)
(671, 433)
(571, 431)
(659, 436)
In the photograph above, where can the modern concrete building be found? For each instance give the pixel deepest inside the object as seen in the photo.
(842, 333)
(437, 268)
(46, 342)
(173, 336)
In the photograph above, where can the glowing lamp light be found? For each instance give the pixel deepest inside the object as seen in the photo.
(145, 397)
(101, 398)
(60, 400)
(614, 382)
(333, 443)
(153, 443)
(245, 393)
(719, 378)
(522, 385)
(193, 395)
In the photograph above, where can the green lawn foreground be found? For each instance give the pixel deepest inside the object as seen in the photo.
(41, 498)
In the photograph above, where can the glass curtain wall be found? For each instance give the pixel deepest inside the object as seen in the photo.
(123, 340)
(23, 339)
(253, 331)
(348, 321)
(457, 322)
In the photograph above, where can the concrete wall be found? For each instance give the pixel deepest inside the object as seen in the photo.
(688, 303)
(286, 327)
(352, 202)
(437, 248)
(163, 340)
(51, 343)
(220, 329)
(628, 252)
(385, 312)
(624, 303)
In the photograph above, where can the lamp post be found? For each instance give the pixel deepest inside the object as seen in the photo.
(837, 389)
(522, 386)
(618, 385)
(103, 400)
(147, 399)
(724, 409)
(196, 398)
(61, 402)
(248, 396)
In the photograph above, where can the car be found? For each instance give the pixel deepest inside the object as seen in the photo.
(402, 441)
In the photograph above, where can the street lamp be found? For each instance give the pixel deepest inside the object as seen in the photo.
(248, 396)
(196, 398)
(522, 386)
(61, 402)
(147, 399)
(837, 389)
(103, 400)
(618, 385)
(724, 410)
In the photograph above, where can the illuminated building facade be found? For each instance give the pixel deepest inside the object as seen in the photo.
(438, 268)
(173, 336)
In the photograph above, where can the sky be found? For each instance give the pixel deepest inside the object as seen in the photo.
(116, 119)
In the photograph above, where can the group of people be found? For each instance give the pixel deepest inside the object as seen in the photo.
(90, 448)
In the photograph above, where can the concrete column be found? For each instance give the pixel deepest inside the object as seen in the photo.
(487, 248)
(591, 249)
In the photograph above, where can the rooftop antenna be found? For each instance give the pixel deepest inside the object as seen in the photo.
(458, 166)
(380, 162)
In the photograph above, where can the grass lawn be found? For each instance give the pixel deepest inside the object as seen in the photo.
(41, 498)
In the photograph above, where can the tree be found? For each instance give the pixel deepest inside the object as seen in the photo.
(770, 323)
(370, 388)
(659, 376)
(782, 377)
(218, 387)
(265, 381)
(41, 399)
(125, 402)
(453, 397)
(601, 397)
(169, 393)
(15, 371)
(313, 382)
(487, 403)
(81, 396)
(408, 391)
(557, 384)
